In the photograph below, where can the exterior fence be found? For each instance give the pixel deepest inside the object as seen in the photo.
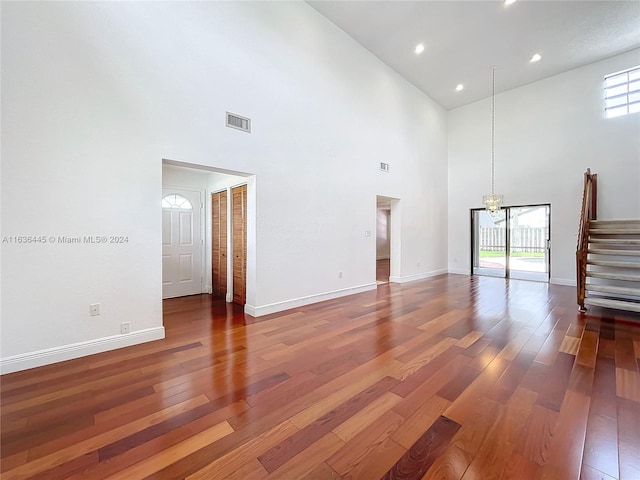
(523, 239)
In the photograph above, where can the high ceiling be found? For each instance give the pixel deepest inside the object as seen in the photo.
(464, 39)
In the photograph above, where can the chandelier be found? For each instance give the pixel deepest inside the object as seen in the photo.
(493, 201)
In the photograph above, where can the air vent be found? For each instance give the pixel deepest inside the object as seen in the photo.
(384, 167)
(238, 122)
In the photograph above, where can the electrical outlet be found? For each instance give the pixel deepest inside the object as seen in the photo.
(125, 327)
(94, 309)
(339, 274)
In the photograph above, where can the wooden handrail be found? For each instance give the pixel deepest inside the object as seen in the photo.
(587, 213)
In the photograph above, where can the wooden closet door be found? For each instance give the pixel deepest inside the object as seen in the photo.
(239, 227)
(219, 243)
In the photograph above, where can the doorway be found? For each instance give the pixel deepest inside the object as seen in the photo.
(383, 242)
(387, 239)
(216, 265)
(513, 242)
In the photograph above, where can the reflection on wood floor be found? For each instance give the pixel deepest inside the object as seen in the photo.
(383, 270)
(452, 377)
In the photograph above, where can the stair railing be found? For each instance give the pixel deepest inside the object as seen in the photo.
(588, 213)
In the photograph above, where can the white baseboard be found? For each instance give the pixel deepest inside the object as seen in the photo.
(460, 271)
(48, 356)
(555, 281)
(563, 281)
(299, 302)
(417, 276)
(228, 297)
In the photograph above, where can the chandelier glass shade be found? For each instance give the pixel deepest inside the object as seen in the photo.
(493, 201)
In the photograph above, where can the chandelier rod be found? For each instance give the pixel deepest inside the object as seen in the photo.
(493, 130)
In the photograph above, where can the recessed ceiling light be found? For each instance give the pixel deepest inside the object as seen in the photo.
(420, 48)
(508, 2)
(459, 87)
(535, 58)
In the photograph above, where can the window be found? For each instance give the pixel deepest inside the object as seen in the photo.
(176, 201)
(622, 93)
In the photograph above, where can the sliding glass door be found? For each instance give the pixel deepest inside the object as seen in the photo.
(512, 242)
(489, 243)
(529, 242)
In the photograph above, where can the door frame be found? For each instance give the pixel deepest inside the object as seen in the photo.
(387, 214)
(251, 181)
(395, 245)
(507, 209)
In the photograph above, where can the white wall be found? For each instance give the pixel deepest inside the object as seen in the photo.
(547, 134)
(186, 177)
(95, 95)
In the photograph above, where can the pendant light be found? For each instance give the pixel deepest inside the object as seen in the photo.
(493, 201)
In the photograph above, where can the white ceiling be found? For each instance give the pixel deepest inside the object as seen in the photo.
(464, 39)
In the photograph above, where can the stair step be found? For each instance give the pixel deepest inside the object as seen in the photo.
(617, 238)
(604, 251)
(614, 276)
(616, 241)
(615, 231)
(609, 303)
(608, 263)
(619, 221)
(613, 289)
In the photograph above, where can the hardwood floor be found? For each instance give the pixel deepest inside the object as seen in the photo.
(453, 377)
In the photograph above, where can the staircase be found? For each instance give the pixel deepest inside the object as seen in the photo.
(607, 256)
(613, 265)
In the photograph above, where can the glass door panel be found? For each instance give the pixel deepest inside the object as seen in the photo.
(528, 242)
(489, 243)
(512, 242)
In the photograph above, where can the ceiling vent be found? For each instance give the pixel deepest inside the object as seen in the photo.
(238, 122)
(384, 167)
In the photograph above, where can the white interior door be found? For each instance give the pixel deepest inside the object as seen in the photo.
(181, 243)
